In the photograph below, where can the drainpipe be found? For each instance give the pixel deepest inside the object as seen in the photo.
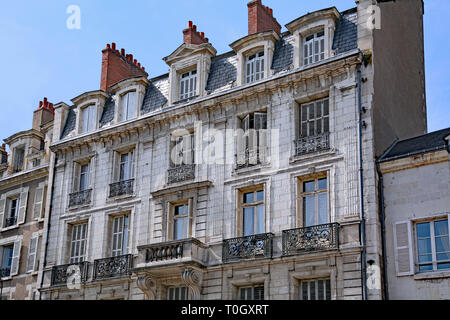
(363, 219)
(48, 224)
(383, 230)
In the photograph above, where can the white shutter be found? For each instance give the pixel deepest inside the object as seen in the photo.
(242, 143)
(16, 257)
(191, 226)
(261, 127)
(404, 259)
(32, 254)
(2, 209)
(38, 202)
(188, 149)
(76, 177)
(23, 205)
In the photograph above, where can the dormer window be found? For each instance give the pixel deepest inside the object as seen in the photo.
(188, 84)
(88, 118)
(19, 156)
(314, 48)
(128, 106)
(254, 67)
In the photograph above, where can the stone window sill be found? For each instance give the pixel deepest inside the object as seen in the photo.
(308, 156)
(251, 168)
(432, 275)
(10, 228)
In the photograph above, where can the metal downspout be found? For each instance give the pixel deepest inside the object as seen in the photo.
(383, 231)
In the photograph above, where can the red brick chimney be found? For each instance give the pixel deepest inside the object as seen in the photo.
(44, 114)
(260, 18)
(116, 66)
(192, 36)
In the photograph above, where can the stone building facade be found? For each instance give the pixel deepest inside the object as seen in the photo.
(416, 192)
(24, 200)
(245, 175)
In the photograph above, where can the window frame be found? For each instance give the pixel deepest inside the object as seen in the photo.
(179, 145)
(125, 116)
(180, 291)
(190, 78)
(326, 289)
(124, 235)
(309, 49)
(255, 204)
(129, 163)
(19, 159)
(83, 242)
(187, 217)
(324, 118)
(434, 262)
(253, 293)
(316, 192)
(251, 74)
(90, 124)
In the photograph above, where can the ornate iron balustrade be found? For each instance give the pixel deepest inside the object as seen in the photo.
(121, 188)
(249, 158)
(260, 245)
(5, 272)
(312, 144)
(164, 251)
(113, 267)
(11, 221)
(60, 274)
(181, 173)
(80, 198)
(315, 238)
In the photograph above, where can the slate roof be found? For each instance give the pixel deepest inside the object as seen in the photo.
(223, 70)
(70, 123)
(433, 141)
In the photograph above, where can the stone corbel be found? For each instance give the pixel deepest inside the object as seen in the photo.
(193, 279)
(147, 285)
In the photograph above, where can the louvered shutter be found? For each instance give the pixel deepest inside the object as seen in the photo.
(23, 205)
(190, 218)
(32, 254)
(242, 140)
(38, 202)
(2, 209)
(188, 149)
(16, 257)
(261, 128)
(404, 260)
(169, 214)
(76, 177)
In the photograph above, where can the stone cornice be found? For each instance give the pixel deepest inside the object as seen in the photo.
(414, 161)
(24, 176)
(193, 48)
(24, 134)
(291, 79)
(312, 17)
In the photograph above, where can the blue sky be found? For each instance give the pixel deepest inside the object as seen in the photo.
(40, 56)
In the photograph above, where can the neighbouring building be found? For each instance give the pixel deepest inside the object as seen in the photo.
(287, 208)
(416, 187)
(24, 197)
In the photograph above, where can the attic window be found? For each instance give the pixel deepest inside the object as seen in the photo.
(188, 84)
(128, 106)
(254, 67)
(314, 48)
(88, 119)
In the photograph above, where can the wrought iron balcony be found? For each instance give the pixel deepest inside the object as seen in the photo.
(113, 267)
(173, 252)
(80, 198)
(260, 245)
(11, 221)
(60, 274)
(315, 238)
(121, 188)
(181, 173)
(306, 145)
(249, 158)
(5, 272)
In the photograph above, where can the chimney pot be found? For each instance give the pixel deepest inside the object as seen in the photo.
(40, 104)
(190, 24)
(135, 61)
(131, 57)
(139, 65)
(143, 68)
(113, 46)
(202, 34)
(194, 28)
(108, 46)
(207, 40)
(122, 51)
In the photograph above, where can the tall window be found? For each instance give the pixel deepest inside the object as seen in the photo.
(13, 210)
(314, 118)
(181, 222)
(119, 237)
(251, 293)
(88, 118)
(182, 150)
(314, 196)
(314, 48)
(19, 156)
(177, 293)
(253, 212)
(251, 148)
(315, 290)
(254, 67)
(6, 262)
(188, 84)
(84, 177)
(78, 243)
(126, 168)
(433, 245)
(128, 106)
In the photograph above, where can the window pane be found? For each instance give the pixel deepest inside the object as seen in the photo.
(260, 195)
(425, 258)
(442, 266)
(131, 105)
(312, 290)
(180, 229)
(424, 246)
(178, 210)
(249, 221)
(320, 287)
(326, 107)
(423, 230)
(305, 291)
(443, 256)
(260, 213)
(442, 244)
(323, 184)
(308, 186)
(249, 197)
(328, 289)
(323, 208)
(441, 228)
(426, 268)
(309, 214)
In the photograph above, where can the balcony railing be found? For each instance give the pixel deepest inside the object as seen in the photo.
(5, 272)
(306, 145)
(260, 245)
(77, 272)
(181, 173)
(11, 221)
(121, 188)
(249, 158)
(315, 238)
(113, 267)
(80, 198)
